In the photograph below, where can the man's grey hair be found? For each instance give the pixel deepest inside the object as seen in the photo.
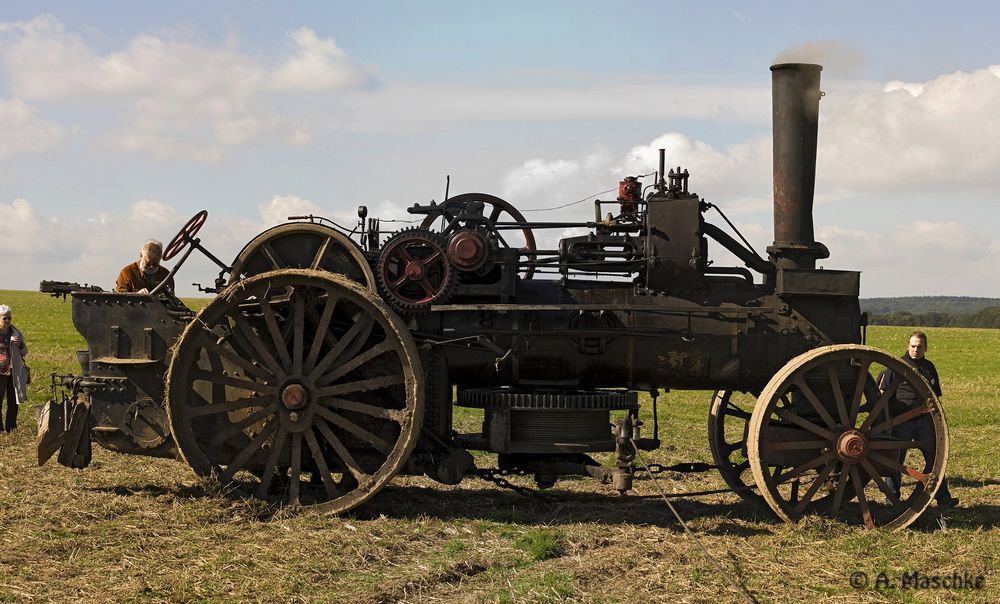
(4, 310)
(153, 248)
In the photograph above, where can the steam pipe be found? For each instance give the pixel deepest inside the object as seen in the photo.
(662, 173)
(795, 97)
(748, 257)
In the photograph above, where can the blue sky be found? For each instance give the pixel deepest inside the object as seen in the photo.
(120, 120)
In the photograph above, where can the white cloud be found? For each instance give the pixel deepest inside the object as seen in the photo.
(93, 249)
(318, 64)
(914, 88)
(182, 99)
(898, 138)
(918, 258)
(938, 134)
(536, 174)
(281, 207)
(23, 131)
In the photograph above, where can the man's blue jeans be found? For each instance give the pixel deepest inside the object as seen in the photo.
(920, 428)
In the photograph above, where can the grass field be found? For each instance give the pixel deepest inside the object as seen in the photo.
(141, 529)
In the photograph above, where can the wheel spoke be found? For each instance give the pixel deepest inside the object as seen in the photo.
(322, 327)
(272, 327)
(793, 445)
(879, 481)
(248, 339)
(879, 406)
(361, 359)
(815, 402)
(247, 452)
(272, 462)
(361, 385)
(272, 256)
(318, 258)
(427, 287)
(819, 482)
(394, 415)
(899, 444)
(211, 344)
(395, 285)
(296, 469)
(243, 403)
(866, 513)
(332, 492)
(895, 465)
(299, 326)
(838, 396)
(859, 389)
(428, 260)
(838, 496)
(500, 239)
(802, 468)
(729, 448)
(899, 419)
(380, 445)
(200, 375)
(404, 254)
(241, 425)
(735, 411)
(352, 465)
(787, 415)
(361, 328)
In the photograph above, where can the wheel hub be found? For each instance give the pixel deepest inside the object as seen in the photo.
(294, 397)
(467, 250)
(414, 270)
(852, 446)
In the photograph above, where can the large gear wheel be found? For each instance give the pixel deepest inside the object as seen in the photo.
(414, 270)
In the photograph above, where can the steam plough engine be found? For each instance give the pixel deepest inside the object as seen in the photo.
(332, 360)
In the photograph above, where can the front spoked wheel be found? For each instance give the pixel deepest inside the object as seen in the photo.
(824, 439)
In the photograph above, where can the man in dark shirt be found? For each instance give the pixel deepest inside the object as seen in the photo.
(920, 428)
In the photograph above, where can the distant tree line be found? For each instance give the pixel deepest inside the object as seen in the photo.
(987, 317)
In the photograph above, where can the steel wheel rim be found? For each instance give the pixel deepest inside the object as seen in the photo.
(832, 458)
(342, 403)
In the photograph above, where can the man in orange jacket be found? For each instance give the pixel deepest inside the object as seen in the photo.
(142, 276)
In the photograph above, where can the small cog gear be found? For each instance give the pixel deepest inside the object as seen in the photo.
(414, 270)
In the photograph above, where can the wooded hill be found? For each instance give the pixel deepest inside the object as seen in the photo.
(933, 311)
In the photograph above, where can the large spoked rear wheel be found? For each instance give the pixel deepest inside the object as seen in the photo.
(298, 384)
(824, 439)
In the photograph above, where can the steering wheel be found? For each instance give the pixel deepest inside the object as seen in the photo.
(185, 235)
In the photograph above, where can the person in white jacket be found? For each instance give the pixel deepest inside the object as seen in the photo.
(13, 373)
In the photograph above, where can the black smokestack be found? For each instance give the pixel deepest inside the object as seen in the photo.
(795, 98)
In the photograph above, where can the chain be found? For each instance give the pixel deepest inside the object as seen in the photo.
(686, 467)
(496, 476)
